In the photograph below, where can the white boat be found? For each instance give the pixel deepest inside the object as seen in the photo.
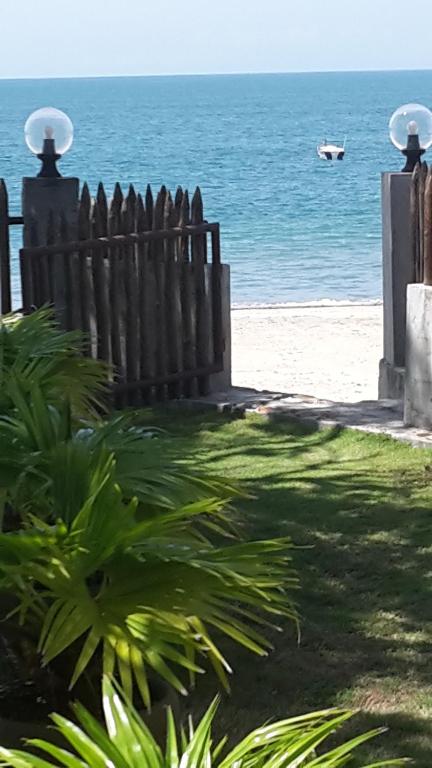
(328, 151)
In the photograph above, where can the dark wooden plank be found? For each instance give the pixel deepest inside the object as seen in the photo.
(102, 202)
(84, 233)
(134, 237)
(100, 280)
(414, 224)
(149, 207)
(217, 324)
(199, 259)
(131, 297)
(114, 214)
(146, 306)
(189, 325)
(157, 252)
(428, 229)
(184, 221)
(115, 288)
(422, 179)
(31, 272)
(178, 200)
(131, 200)
(5, 270)
(68, 270)
(168, 378)
(141, 216)
(173, 300)
(188, 302)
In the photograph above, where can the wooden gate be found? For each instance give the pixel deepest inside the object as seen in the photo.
(143, 283)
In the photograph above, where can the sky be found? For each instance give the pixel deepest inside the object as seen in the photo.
(83, 38)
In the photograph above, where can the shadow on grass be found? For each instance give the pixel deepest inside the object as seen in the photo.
(363, 508)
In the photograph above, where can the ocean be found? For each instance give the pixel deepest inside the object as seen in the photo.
(294, 228)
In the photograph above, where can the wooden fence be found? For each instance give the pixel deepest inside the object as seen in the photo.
(143, 281)
(421, 223)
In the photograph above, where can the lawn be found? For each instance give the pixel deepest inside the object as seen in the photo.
(359, 507)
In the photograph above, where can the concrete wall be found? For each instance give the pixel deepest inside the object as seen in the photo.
(418, 377)
(398, 272)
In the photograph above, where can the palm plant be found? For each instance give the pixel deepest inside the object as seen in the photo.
(46, 459)
(144, 590)
(112, 559)
(127, 742)
(114, 562)
(34, 350)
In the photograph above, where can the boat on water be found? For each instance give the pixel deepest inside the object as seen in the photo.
(328, 151)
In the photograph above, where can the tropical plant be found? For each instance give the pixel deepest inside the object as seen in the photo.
(126, 742)
(46, 460)
(34, 350)
(145, 589)
(114, 562)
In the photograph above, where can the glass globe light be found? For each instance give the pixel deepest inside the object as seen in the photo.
(49, 134)
(48, 124)
(411, 120)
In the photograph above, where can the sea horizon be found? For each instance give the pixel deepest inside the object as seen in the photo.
(294, 228)
(239, 73)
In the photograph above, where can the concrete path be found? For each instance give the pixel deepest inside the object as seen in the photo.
(376, 416)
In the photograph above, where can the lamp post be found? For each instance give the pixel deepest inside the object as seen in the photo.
(410, 129)
(49, 135)
(48, 196)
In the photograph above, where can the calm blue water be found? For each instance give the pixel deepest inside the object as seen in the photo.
(294, 228)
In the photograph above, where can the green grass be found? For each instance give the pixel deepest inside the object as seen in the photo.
(359, 507)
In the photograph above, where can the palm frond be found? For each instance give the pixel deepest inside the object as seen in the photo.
(35, 350)
(127, 742)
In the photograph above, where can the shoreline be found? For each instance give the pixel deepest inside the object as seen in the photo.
(321, 303)
(329, 351)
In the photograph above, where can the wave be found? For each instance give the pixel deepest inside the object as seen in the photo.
(308, 304)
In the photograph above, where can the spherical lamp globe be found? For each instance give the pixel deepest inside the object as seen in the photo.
(49, 134)
(52, 124)
(410, 129)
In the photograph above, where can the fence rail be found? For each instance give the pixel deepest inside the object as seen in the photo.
(143, 281)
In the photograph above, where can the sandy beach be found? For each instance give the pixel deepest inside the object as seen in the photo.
(328, 351)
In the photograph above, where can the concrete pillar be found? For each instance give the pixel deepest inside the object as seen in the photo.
(398, 272)
(221, 382)
(40, 196)
(418, 377)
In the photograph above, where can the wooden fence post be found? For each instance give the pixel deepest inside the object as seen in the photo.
(100, 279)
(199, 259)
(5, 273)
(114, 228)
(427, 277)
(84, 233)
(421, 190)
(131, 294)
(29, 268)
(173, 298)
(188, 299)
(415, 231)
(158, 256)
(146, 303)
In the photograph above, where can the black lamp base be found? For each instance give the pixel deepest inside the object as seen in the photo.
(49, 168)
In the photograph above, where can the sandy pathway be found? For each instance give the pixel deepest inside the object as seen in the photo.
(327, 351)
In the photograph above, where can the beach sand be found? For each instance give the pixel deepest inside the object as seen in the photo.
(330, 352)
